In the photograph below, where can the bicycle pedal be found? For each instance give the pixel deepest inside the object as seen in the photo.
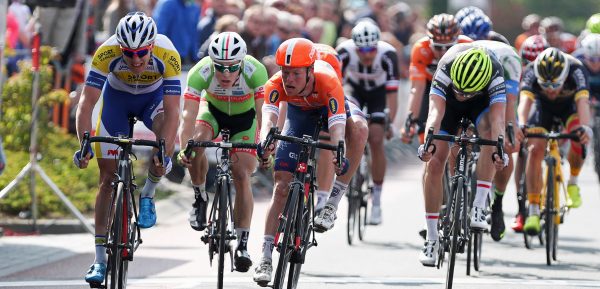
(296, 258)
(97, 285)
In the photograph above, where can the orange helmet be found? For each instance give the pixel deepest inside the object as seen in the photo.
(296, 52)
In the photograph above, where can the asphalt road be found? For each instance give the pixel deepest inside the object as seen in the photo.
(172, 255)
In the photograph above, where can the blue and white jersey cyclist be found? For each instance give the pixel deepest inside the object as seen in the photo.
(469, 82)
(135, 73)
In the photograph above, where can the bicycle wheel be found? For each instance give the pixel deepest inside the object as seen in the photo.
(286, 246)
(222, 193)
(455, 226)
(469, 248)
(115, 240)
(597, 146)
(298, 258)
(549, 216)
(364, 192)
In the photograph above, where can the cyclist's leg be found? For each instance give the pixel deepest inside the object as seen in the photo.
(325, 178)
(244, 164)
(376, 103)
(112, 121)
(575, 158)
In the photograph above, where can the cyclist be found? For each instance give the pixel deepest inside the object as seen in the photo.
(592, 25)
(225, 90)
(467, 11)
(136, 71)
(468, 82)
(442, 33)
(511, 64)
(556, 85)
(530, 49)
(313, 91)
(478, 26)
(589, 55)
(370, 69)
(552, 28)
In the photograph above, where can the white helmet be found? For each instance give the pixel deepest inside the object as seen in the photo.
(227, 46)
(591, 45)
(365, 34)
(136, 30)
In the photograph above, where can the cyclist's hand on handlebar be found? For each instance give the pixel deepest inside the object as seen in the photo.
(265, 155)
(585, 134)
(500, 162)
(423, 154)
(161, 169)
(407, 136)
(389, 133)
(183, 160)
(82, 162)
(344, 167)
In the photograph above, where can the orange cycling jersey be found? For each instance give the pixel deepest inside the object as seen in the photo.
(327, 92)
(422, 60)
(329, 55)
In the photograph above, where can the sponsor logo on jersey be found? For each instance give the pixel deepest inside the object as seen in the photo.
(333, 105)
(274, 96)
(245, 137)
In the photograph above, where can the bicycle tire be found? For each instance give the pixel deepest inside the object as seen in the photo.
(364, 191)
(549, 216)
(285, 251)
(306, 227)
(455, 225)
(222, 192)
(115, 237)
(352, 210)
(477, 246)
(469, 248)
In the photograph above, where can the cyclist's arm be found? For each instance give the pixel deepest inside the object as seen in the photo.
(168, 130)
(390, 66)
(582, 103)
(526, 101)
(258, 104)
(497, 118)
(437, 109)
(415, 98)
(188, 120)
(270, 108)
(511, 104)
(87, 101)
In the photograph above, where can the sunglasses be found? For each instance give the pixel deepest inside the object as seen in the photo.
(140, 52)
(442, 46)
(466, 94)
(549, 84)
(229, 68)
(366, 49)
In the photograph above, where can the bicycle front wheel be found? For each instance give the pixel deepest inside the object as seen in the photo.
(353, 207)
(222, 194)
(115, 242)
(549, 216)
(455, 225)
(286, 247)
(298, 257)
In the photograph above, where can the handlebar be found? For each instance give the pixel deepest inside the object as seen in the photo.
(123, 142)
(209, 144)
(573, 135)
(510, 132)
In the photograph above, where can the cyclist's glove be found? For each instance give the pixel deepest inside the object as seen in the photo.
(77, 156)
(181, 154)
(421, 151)
(504, 158)
(168, 165)
(345, 166)
(588, 130)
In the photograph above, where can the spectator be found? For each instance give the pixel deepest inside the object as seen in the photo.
(252, 31)
(235, 7)
(328, 12)
(22, 14)
(530, 25)
(206, 25)
(314, 28)
(552, 29)
(309, 9)
(270, 22)
(375, 10)
(401, 25)
(115, 11)
(177, 19)
(227, 23)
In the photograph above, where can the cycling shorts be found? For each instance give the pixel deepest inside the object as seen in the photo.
(242, 127)
(116, 108)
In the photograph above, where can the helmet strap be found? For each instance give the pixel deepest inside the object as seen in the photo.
(307, 79)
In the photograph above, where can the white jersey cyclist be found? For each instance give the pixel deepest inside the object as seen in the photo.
(510, 61)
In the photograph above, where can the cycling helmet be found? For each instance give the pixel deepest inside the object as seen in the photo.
(466, 11)
(296, 52)
(590, 46)
(551, 23)
(442, 27)
(365, 34)
(551, 66)
(136, 30)
(471, 71)
(532, 46)
(476, 27)
(227, 46)
(593, 24)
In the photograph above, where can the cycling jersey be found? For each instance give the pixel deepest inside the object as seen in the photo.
(475, 107)
(383, 72)
(593, 77)
(562, 106)
(232, 108)
(329, 55)
(163, 69)
(303, 113)
(422, 61)
(202, 86)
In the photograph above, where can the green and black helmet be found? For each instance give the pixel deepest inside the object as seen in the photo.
(471, 71)
(551, 66)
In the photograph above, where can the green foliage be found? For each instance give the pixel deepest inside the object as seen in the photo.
(573, 13)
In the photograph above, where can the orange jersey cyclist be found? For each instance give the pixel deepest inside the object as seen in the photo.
(313, 91)
(136, 72)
